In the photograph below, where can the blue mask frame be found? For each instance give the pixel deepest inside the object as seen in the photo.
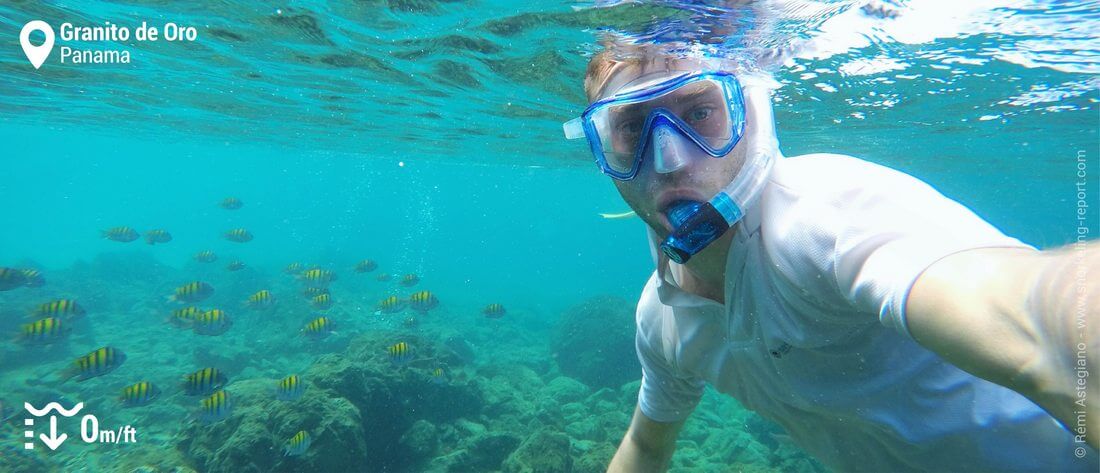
(585, 125)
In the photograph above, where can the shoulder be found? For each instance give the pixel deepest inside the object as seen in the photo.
(823, 215)
(837, 177)
(648, 314)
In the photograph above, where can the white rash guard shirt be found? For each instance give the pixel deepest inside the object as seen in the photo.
(813, 334)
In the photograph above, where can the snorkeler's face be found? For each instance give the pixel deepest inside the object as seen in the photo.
(682, 172)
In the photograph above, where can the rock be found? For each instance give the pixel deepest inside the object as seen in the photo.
(564, 390)
(543, 452)
(480, 454)
(15, 459)
(736, 446)
(594, 342)
(469, 429)
(490, 451)
(628, 393)
(614, 423)
(587, 429)
(362, 412)
(252, 438)
(573, 411)
(455, 461)
(595, 460)
(422, 438)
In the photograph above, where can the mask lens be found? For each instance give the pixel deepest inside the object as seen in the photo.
(706, 107)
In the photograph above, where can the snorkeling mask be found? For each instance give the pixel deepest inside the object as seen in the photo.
(664, 121)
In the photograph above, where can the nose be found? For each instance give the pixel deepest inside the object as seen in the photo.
(670, 152)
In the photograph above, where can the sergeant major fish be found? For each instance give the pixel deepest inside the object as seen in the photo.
(194, 291)
(204, 382)
(120, 234)
(290, 388)
(238, 235)
(153, 237)
(212, 322)
(390, 305)
(97, 363)
(298, 444)
(216, 407)
(139, 394)
(44, 331)
(423, 301)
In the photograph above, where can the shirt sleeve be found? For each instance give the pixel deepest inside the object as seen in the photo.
(667, 394)
(878, 229)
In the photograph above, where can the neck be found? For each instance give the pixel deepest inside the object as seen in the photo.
(705, 273)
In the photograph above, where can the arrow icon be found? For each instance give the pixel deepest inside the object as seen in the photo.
(53, 441)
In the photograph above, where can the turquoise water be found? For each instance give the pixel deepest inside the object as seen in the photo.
(426, 135)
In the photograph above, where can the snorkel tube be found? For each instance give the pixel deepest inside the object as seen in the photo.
(698, 224)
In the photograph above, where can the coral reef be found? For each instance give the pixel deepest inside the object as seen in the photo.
(594, 342)
(544, 451)
(524, 394)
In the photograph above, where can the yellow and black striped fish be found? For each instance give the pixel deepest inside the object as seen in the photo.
(205, 256)
(33, 278)
(204, 381)
(238, 235)
(44, 331)
(231, 203)
(290, 388)
(235, 265)
(438, 376)
(97, 363)
(318, 327)
(11, 278)
(262, 299)
(185, 317)
(215, 408)
(383, 277)
(293, 268)
(391, 305)
(193, 291)
(321, 301)
(212, 322)
(366, 266)
(318, 277)
(409, 280)
(423, 301)
(153, 237)
(494, 311)
(64, 308)
(400, 353)
(311, 292)
(120, 234)
(139, 394)
(298, 444)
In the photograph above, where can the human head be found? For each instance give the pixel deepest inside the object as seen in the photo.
(650, 192)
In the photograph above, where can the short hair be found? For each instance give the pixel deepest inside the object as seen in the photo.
(616, 56)
(620, 55)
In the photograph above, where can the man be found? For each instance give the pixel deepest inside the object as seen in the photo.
(884, 326)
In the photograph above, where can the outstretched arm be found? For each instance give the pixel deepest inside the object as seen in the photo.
(647, 446)
(1024, 319)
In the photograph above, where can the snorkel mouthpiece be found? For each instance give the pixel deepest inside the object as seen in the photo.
(698, 225)
(682, 210)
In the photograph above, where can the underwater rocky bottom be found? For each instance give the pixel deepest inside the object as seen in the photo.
(552, 401)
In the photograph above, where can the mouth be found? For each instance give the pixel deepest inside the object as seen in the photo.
(675, 200)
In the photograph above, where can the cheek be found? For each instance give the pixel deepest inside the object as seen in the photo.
(625, 190)
(632, 192)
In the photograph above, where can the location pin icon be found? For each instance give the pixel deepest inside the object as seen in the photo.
(36, 54)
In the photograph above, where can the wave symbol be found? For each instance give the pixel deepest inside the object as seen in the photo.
(53, 406)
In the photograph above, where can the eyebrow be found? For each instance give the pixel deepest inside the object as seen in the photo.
(690, 95)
